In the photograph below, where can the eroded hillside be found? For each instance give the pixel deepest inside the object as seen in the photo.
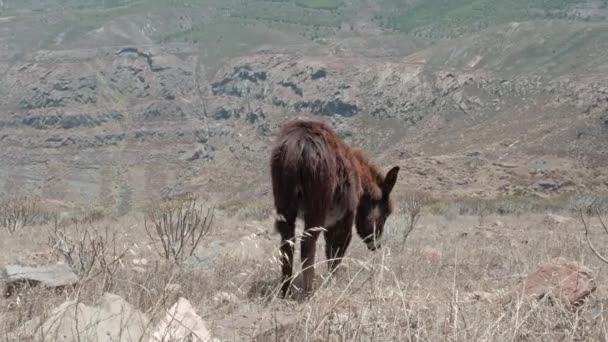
(130, 105)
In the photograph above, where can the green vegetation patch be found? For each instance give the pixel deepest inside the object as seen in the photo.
(454, 17)
(319, 4)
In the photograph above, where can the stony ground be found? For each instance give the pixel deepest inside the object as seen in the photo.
(457, 278)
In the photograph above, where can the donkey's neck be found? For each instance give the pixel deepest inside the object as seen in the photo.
(369, 174)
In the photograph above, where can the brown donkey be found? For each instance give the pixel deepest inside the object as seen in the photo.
(318, 177)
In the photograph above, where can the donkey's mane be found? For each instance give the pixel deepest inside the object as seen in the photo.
(371, 176)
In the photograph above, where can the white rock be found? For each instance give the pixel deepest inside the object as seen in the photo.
(224, 298)
(556, 219)
(142, 261)
(182, 324)
(112, 319)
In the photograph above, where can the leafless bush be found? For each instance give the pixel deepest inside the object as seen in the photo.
(412, 206)
(179, 224)
(18, 212)
(588, 233)
(89, 252)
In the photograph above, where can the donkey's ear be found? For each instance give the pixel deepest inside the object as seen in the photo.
(389, 181)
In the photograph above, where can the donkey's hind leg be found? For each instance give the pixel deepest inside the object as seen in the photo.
(308, 246)
(285, 225)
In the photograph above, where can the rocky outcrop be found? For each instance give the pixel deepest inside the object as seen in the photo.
(348, 87)
(144, 109)
(60, 92)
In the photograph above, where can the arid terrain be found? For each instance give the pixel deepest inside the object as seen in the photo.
(114, 112)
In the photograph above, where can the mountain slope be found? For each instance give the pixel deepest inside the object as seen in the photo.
(112, 106)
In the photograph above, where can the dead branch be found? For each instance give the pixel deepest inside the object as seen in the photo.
(588, 235)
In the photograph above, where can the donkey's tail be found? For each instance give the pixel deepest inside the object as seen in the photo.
(304, 173)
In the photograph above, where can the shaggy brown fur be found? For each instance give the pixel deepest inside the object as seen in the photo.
(317, 177)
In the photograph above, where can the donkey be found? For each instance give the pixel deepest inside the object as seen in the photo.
(317, 177)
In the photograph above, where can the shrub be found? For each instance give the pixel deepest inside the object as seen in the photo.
(179, 224)
(18, 212)
(89, 252)
(412, 206)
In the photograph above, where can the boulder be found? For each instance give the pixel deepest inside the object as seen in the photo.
(181, 323)
(51, 276)
(432, 255)
(111, 319)
(556, 219)
(560, 279)
(481, 296)
(223, 297)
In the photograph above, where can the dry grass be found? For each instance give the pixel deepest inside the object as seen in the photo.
(405, 293)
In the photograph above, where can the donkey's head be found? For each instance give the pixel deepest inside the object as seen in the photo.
(374, 209)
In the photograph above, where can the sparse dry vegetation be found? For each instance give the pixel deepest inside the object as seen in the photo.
(471, 292)
(179, 225)
(90, 252)
(413, 206)
(18, 212)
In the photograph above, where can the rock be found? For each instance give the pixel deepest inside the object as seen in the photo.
(142, 261)
(163, 110)
(498, 223)
(60, 92)
(173, 288)
(585, 104)
(477, 296)
(139, 269)
(182, 324)
(224, 298)
(561, 279)
(222, 113)
(111, 319)
(433, 255)
(49, 276)
(546, 185)
(556, 219)
(598, 310)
